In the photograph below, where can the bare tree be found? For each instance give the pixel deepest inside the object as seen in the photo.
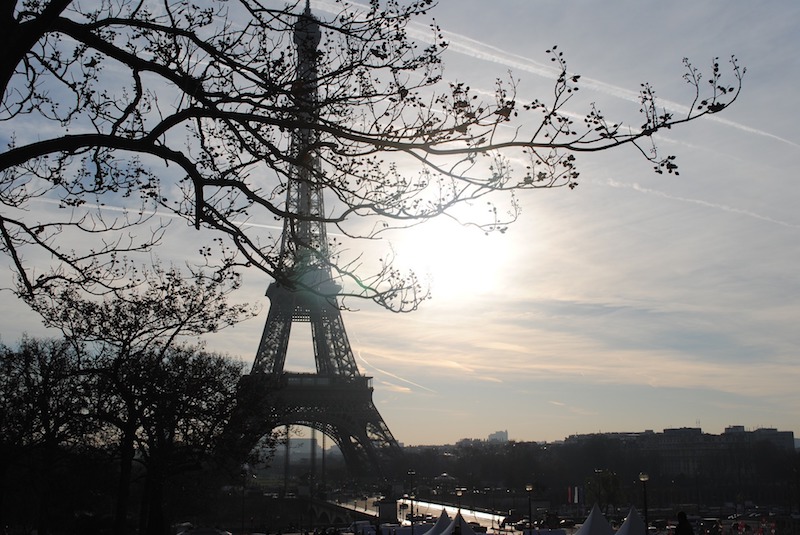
(181, 109)
(187, 399)
(42, 404)
(132, 343)
(163, 306)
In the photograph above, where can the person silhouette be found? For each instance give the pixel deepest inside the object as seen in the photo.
(683, 527)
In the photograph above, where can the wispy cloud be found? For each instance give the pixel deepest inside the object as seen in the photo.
(392, 387)
(579, 354)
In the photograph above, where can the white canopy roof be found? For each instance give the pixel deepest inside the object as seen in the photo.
(441, 524)
(633, 525)
(462, 524)
(595, 524)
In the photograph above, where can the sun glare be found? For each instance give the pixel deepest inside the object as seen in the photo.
(456, 261)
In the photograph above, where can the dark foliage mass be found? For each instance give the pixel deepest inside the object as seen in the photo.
(118, 113)
(82, 431)
(122, 388)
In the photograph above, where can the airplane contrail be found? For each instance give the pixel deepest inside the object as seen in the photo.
(479, 50)
(123, 209)
(484, 51)
(390, 374)
(708, 204)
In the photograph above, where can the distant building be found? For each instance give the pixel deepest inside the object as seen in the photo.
(301, 450)
(498, 436)
(781, 439)
(687, 451)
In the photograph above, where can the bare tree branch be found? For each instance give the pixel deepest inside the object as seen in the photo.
(142, 100)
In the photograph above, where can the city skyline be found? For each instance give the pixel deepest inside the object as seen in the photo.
(634, 302)
(298, 435)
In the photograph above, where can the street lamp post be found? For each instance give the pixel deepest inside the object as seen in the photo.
(411, 474)
(490, 492)
(644, 478)
(529, 490)
(411, 501)
(459, 493)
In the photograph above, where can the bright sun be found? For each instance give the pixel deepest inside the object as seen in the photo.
(456, 261)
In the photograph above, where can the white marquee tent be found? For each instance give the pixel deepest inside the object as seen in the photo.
(633, 525)
(441, 524)
(458, 525)
(596, 524)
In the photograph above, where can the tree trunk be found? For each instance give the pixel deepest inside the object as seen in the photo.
(124, 485)
(45, 468)
(17, 39)
(154, 497)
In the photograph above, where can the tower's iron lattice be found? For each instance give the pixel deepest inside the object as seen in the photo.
(337, 399)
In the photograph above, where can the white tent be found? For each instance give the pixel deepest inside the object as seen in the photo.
(463, 526)
(633, 525)
(595, 524)
(441, 524)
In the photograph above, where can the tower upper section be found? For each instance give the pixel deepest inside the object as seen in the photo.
(304, 247)
(307, 34)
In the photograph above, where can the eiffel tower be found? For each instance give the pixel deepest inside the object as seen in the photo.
(337, 399)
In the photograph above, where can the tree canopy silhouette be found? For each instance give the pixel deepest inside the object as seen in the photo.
(126, 113)
(153, 398)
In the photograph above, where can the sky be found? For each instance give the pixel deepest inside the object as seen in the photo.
(636, 301)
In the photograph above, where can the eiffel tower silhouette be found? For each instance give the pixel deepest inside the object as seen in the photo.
(337, 399)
